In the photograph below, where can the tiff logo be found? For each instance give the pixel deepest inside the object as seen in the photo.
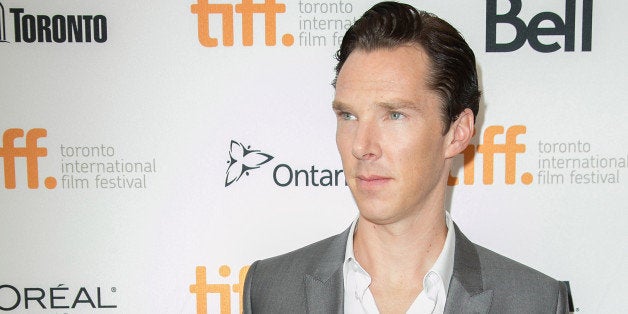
(247, 9)
(31, 151)
(510, 148)
(201, 288)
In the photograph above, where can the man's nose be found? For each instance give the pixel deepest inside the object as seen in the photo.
(366, 144)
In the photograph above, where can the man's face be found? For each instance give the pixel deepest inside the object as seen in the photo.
(389, 134)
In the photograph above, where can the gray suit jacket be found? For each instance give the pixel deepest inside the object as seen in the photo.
(310, 280)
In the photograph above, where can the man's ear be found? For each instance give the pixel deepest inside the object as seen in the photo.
(460, 133)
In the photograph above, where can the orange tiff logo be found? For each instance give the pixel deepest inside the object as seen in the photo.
(247, 9)
(510, 148)
(31, 151)
(201, 288)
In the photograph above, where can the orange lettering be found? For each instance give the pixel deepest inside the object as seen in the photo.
(31, 152)
(201, 288)
(270, 9)
(247, 9)
(239, 287)
(468, 155)
(203, 9)
(510, 148)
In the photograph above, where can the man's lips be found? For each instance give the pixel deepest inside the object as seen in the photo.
(372, 177)
(367, 181)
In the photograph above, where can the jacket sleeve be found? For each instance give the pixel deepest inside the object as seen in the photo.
(247, 304)
(562, 303)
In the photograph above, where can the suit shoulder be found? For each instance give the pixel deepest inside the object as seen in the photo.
(277, 284)
(306, 259)
(511, 287)
(494, 264)
(517, 287)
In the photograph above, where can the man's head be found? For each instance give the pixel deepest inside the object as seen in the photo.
(398, 68)
(452, 72)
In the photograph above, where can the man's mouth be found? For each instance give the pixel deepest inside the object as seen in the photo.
(371, 181)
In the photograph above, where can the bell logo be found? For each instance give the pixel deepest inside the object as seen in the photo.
(533, 31)
(30, 151)
(247, 9)
(510, 148)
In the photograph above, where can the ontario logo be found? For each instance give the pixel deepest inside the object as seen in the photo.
(41, 28)
(242, 160)
(247, 9)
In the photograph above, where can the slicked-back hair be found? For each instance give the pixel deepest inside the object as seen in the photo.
(452, 71)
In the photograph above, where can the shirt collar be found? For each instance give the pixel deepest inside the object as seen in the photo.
(443, 267)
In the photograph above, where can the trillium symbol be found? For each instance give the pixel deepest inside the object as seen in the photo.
(242, 160)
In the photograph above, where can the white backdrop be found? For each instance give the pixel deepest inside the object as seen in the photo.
(132, 133)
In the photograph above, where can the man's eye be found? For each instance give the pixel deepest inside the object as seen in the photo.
(346, 116)
(396, 116)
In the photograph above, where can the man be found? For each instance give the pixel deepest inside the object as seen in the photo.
(406, 100)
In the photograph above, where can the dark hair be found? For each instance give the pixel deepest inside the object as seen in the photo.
(452, 70)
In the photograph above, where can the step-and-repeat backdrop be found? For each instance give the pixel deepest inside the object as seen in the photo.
(152, 150)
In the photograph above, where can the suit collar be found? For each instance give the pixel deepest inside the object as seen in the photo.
(324, 287)
(466, 289)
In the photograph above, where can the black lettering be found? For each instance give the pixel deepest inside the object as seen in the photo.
(38, 298)
(58, 28)
(29, 29)
(75, 29)
(289, 173)
(87, 300)
(43, 29)
(88, 28)
(492, 19)
(17, 298)
(100, 29)
(338, 172)
(313, 171)
(296, 177)
(53, 298)
(570, 24)
(326, 179)
(534, 31)
(100, 306)
(587, 22)
(16, 22)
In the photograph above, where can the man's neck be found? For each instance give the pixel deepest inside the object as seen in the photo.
(408, 247)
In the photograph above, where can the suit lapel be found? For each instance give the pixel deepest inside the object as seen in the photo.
(324, 288)
(324, 296)
(466, 291)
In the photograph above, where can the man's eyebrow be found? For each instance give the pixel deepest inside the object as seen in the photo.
(397, 105)
(388, 105)
(339, 106)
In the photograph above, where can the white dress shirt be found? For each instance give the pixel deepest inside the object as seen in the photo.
(358, 297)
